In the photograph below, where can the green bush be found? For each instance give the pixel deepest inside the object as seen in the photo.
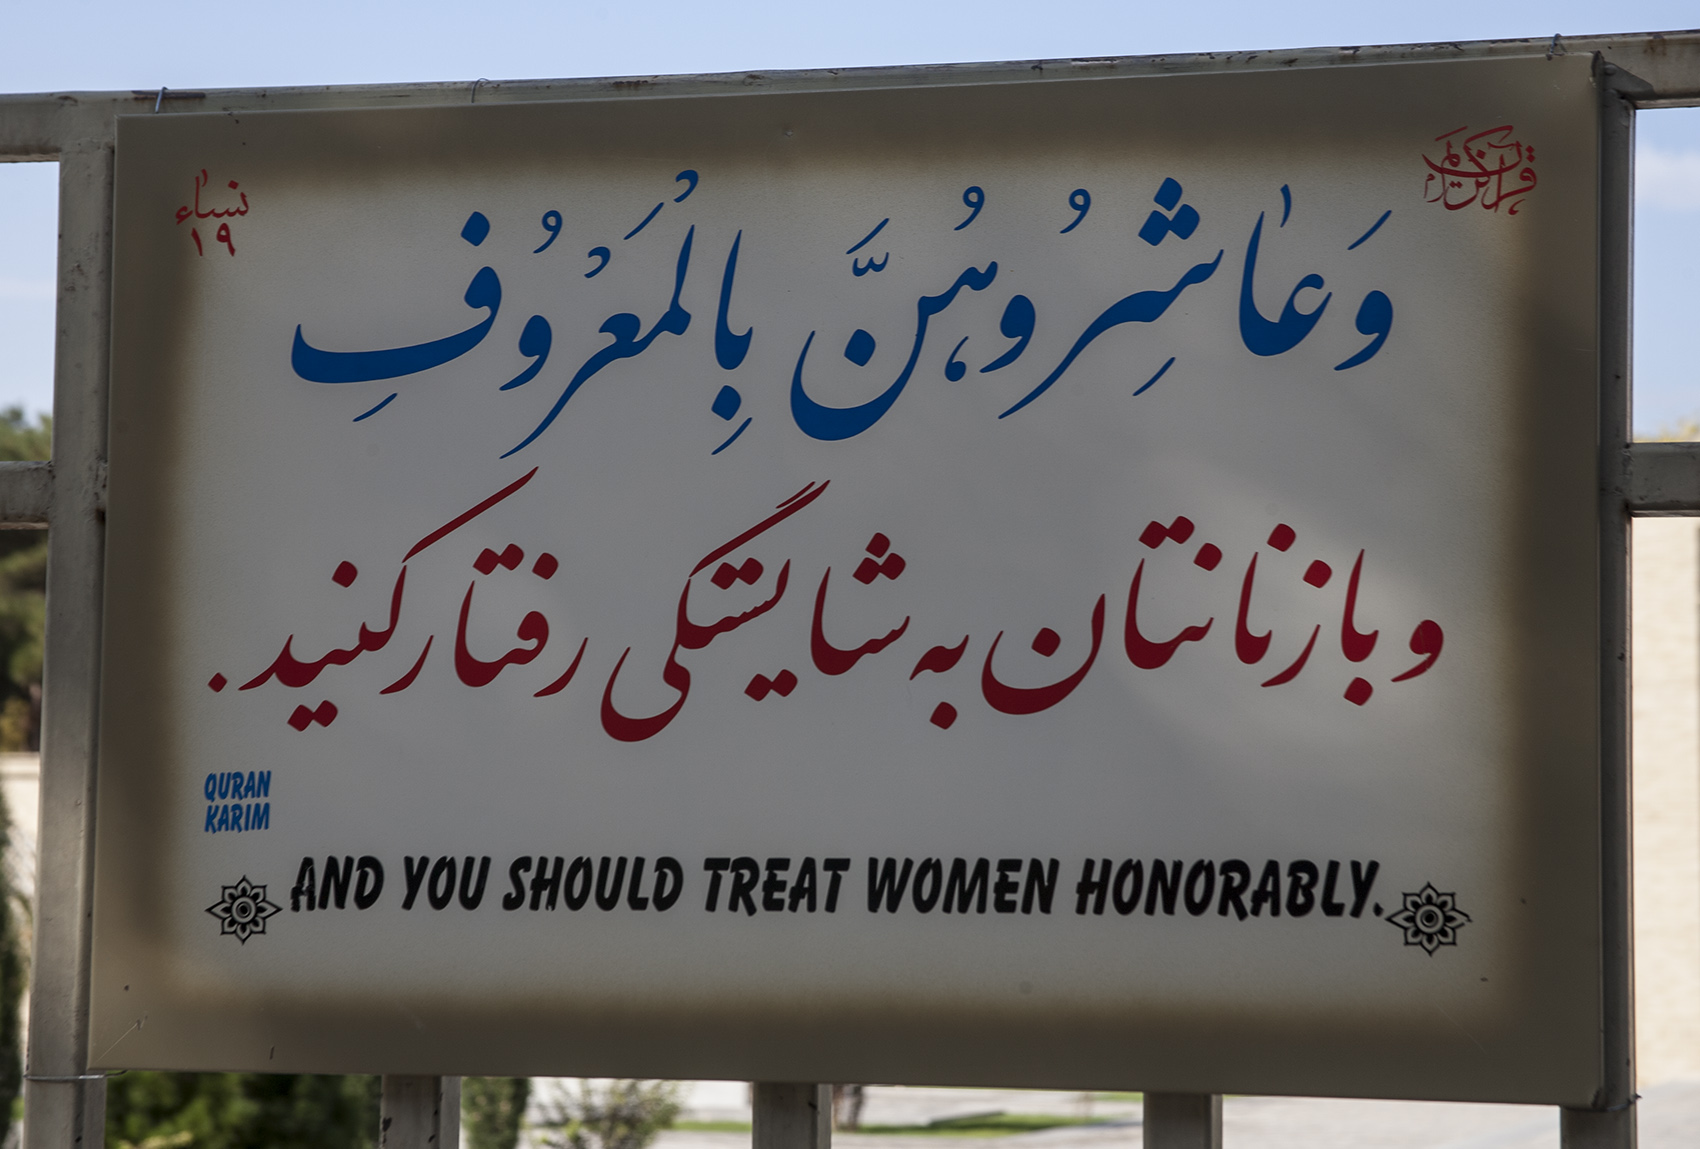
(618, 1115)
(241, 1111)
(14, 966)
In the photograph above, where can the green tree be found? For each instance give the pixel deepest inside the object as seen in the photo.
(241, 1111)
(20, 440)
(493, 1110)
(23, 596)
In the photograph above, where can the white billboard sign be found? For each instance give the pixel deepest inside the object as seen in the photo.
(1081, 583)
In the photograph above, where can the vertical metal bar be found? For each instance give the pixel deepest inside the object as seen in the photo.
(1610, 1123)
(420, 1113)
(790, 1116)
(1183, 1121)
(65, 1107)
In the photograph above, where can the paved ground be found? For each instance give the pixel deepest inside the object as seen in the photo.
(1670, 1119)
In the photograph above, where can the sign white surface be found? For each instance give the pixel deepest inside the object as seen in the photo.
(1060, 584)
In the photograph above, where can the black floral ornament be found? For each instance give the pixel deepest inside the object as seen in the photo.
(243, 910)
(1430, 919)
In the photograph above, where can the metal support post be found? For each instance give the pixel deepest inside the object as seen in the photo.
(65, 1105)
(789, 1116)
(1597, 1129)
(1610, 1122)
(420, 1113)
(1183, 1121)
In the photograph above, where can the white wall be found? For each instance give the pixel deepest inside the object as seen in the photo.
(1666, 635)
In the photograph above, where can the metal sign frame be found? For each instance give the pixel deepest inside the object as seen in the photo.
(65, 1103)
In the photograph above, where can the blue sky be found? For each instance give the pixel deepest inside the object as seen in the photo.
(101, 44)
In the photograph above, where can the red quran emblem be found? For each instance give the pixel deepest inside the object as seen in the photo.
(1489, 169)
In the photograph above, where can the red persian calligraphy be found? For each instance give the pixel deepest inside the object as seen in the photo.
(1491, 168)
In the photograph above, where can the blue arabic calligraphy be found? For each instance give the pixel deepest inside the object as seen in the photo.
(815, 419)
(626, 343)
(832, 423)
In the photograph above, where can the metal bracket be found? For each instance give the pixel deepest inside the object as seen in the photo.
(26, 494)
(1662, 478)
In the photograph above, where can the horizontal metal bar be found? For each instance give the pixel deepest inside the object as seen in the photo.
(35, 127)
(1667, 64)
(26, 493)
(1663, 478)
